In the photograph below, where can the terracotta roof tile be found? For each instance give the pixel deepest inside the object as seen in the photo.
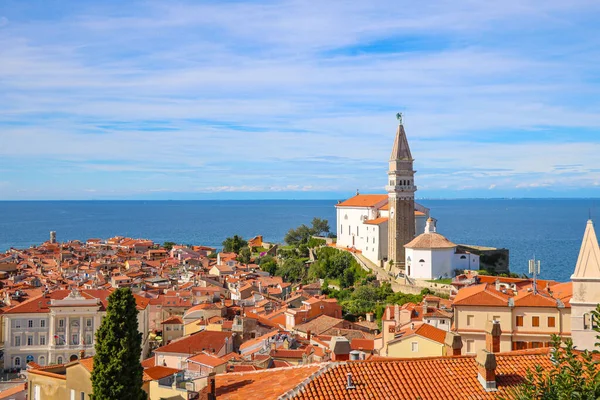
(426, 378)
(262, 384)
(364, 200)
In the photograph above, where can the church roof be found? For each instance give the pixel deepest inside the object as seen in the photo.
(588, 262)
(376, 221)
(430, 241)
(400, 151)
(364, 200)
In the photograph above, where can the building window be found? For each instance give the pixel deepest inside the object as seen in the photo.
(17, 324)
(59, 360)
(30, 323)
(535, 321)
(470, 346)
(88, 322)
(519, 320)
(29, 340)
(414, 347)
(88, 339)
(82, 397)
(43, 323)
(17, 341)
(75, 338)
(470, 320)
(357, 231)
(551, 322)
(421, 260)
(42, 340)
(442, 321)
(61, 323)
(42, 360)
(17, 361)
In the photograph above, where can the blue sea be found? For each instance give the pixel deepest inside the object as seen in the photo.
(550, 229)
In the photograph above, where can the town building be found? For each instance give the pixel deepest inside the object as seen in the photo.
(432, 256)
(55, 327)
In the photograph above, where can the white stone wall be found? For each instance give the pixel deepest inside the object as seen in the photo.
(376, 242)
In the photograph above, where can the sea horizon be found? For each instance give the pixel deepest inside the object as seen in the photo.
(550, 229)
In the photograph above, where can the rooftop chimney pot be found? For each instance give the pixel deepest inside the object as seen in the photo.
(349, 383)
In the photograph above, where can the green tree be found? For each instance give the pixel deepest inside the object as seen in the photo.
(292, 270)
(573, 375)
(234, 244)
(168, 245)
(295, 237)
(320, 226)
(245, 255)
(117, 372)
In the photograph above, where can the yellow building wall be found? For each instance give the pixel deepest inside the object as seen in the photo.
(79, 380)
(192, 327)
(425, 348)
(50, 388)
(158, 392)
(473, 334)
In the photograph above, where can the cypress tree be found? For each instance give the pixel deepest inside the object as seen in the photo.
(117, 372)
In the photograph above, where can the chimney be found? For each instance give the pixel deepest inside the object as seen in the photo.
(369, 317)
(349, 383)
(308, 334)
(452, 344)
(389, 312)
(81, 354)
(497, 284)
(412, 326)
(397, 313)
(492, 336)
(486, 370)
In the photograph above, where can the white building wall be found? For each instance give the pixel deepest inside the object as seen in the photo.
(441, 263)
(420, 263)
(375, 247)
(466, 261)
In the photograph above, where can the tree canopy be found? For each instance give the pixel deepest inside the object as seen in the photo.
(117, 372)
(303, 233)
(234, 244)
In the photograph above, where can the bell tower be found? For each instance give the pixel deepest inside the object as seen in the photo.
(401, 197)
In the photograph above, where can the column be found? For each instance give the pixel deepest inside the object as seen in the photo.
(67, 339)
(8, 335)
(81, 330)
(51, 324)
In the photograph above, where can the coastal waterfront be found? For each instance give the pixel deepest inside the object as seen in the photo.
(550, 229)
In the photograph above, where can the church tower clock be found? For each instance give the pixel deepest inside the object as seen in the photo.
(401, 197)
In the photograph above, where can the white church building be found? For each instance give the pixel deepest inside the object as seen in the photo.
(431, 256)
(392, 227)
(363, 224)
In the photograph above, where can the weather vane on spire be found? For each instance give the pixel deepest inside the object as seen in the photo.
(399, 117)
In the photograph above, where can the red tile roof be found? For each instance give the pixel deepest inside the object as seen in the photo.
(363, 200)
(158, 372)
(205, 340)
(425, 378)
(262, 384)
(376, 221)
(173, 320)
(480, 295)
(207, 359)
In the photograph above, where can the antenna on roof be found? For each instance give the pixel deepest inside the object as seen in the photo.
(534, 268)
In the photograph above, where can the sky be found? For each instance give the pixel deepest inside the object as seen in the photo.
(297, 99)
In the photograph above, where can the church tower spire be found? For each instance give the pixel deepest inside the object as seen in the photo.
(586, 290)
(401, 197)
